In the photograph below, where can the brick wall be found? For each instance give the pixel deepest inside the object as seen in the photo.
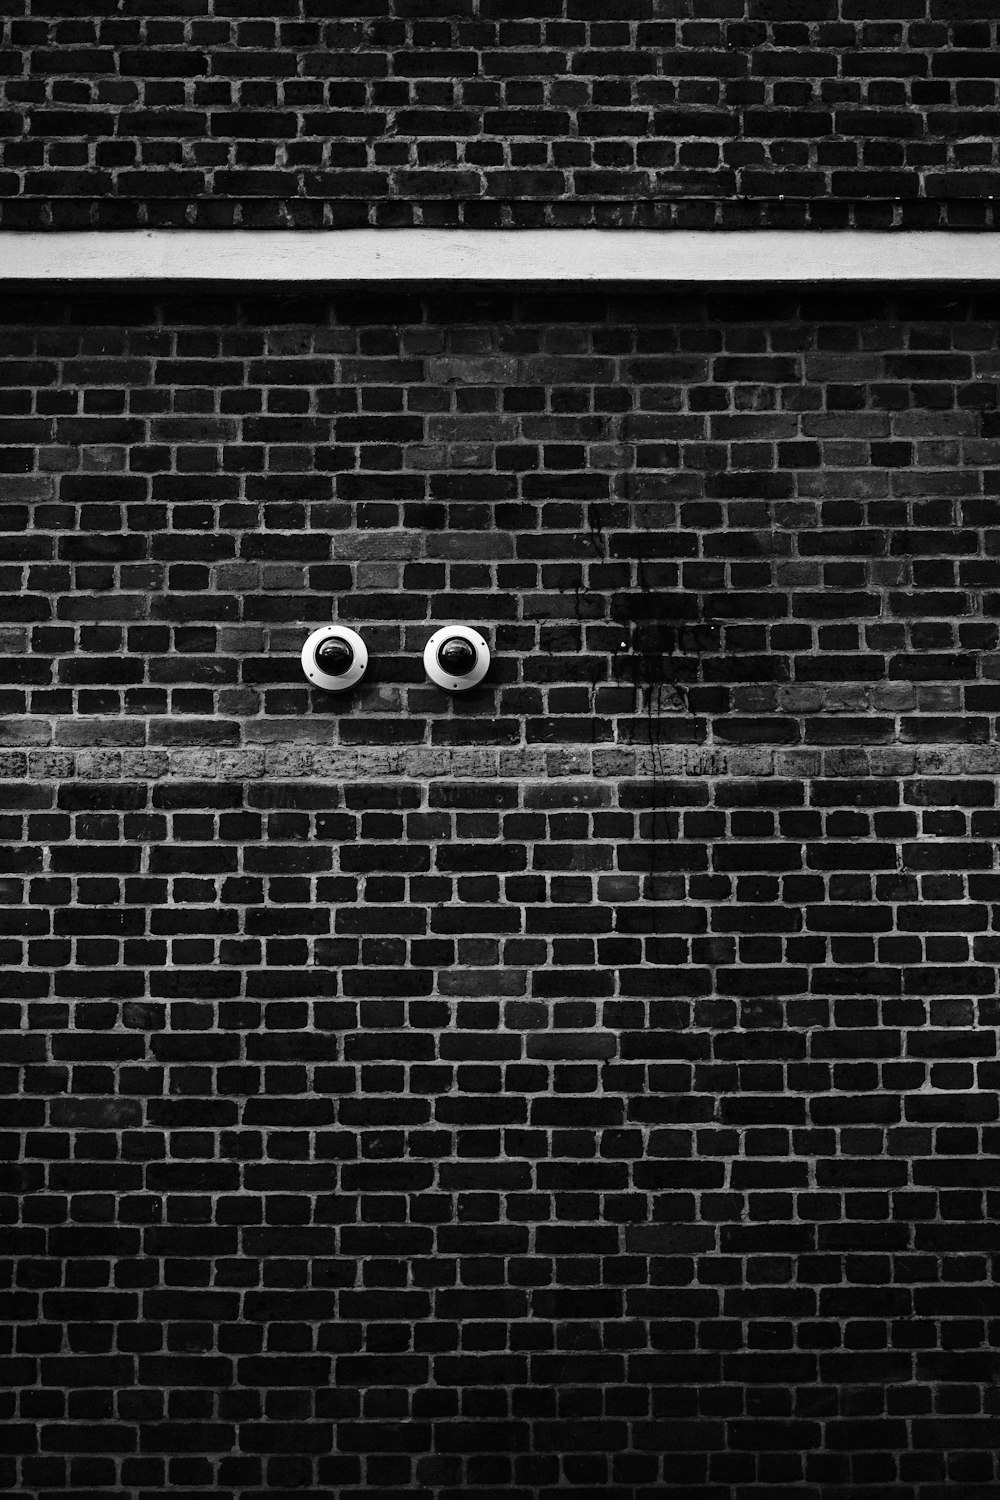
(588, 1086)
(733, 113)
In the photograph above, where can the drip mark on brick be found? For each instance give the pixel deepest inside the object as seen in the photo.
(663, 634)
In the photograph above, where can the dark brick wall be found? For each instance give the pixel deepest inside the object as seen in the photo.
(586, 1087)
(733, 113)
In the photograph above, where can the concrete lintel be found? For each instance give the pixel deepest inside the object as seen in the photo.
(496, 255)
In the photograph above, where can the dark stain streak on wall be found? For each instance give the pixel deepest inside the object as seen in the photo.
(660, 635)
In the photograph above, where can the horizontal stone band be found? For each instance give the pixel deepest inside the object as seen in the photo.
(511, 256)
(321, 763)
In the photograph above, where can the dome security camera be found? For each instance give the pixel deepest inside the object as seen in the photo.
(334, 658)
(456, 658)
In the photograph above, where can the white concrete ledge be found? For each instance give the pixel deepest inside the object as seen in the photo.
(527, 255)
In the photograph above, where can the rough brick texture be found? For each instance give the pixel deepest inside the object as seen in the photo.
(587, 1087)
(730, 113)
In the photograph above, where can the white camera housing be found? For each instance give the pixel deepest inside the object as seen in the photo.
(346, 658)
(457, 676)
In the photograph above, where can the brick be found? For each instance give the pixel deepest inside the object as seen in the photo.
(506, 119)
(518, 1088)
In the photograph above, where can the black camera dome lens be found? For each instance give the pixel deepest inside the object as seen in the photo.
(457, 656)
(334, 656)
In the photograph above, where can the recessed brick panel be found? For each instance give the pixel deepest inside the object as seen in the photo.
(585, 1086)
